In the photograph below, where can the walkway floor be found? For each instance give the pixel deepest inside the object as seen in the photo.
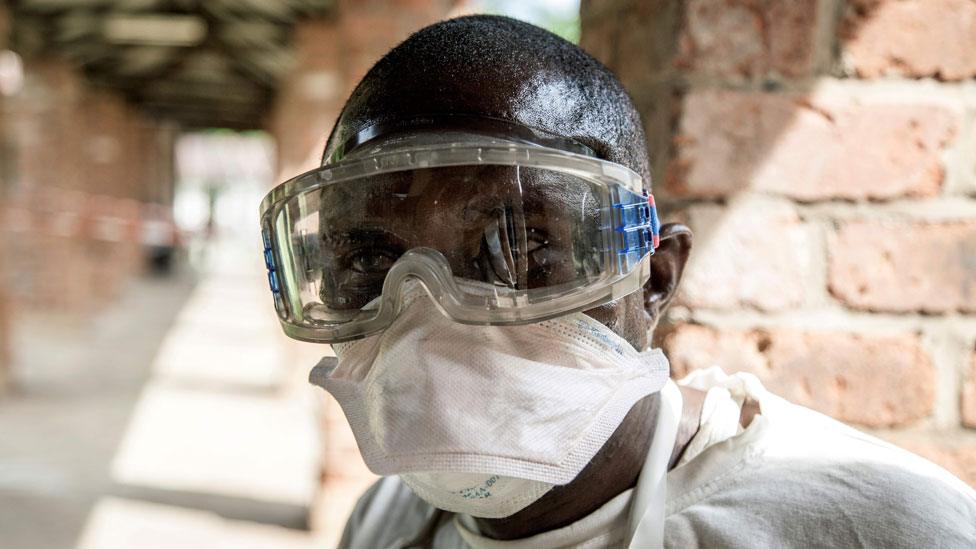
(168, 420)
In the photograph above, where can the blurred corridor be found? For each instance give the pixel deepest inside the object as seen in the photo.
(170, 421)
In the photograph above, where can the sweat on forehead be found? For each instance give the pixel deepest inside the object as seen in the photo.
(501, 68)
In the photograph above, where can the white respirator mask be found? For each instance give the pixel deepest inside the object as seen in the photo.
(484, 420)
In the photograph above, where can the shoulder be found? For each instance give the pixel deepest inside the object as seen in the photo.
(802, 478)
(813, 503)
(897, 493)
(387, 511)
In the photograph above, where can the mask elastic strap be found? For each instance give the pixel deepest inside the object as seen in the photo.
(650, 496)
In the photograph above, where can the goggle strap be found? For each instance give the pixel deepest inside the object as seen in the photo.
(637, 225)
(475, 125)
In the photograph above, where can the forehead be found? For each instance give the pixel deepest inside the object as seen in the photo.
(501, 69)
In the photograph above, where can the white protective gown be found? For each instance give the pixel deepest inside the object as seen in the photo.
(792, 478)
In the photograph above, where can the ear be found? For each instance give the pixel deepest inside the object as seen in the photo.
(667, 265)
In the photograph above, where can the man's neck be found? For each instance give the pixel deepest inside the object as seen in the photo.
(613, 470)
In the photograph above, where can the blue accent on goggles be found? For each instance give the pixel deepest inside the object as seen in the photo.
(636, 226)
(269, 263)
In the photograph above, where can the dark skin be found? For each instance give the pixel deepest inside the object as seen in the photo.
(496, 68)
(618, 464)
(394, 226)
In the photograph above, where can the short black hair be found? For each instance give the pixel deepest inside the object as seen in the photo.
(497, 67)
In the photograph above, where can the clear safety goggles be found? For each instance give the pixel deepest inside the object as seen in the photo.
(498, 230)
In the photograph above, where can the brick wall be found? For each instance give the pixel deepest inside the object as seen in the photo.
(824, 153)
(84, 166)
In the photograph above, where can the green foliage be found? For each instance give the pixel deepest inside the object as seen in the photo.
(558, 16)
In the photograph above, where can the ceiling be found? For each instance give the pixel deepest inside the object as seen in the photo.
(202, 63)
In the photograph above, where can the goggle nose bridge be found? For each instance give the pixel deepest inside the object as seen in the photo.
(425, 265)
(431, 269)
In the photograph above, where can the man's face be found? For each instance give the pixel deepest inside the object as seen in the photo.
(514, 228)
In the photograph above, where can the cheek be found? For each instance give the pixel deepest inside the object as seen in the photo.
(625, 317)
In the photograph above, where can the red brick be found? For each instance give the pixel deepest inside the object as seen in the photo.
(808, 149)
(41, 119)
(956, 457)
(633, 38)
(746, 38)
(752, 254)
(791, 28)
(310, 97)
(904, 266)
(865, 379)
(693, 347)
(915, 38)
(596, 28)
(969, 396)
(335, 53)
(367, 30)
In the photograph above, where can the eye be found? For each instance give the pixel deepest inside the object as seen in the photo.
(371, 261)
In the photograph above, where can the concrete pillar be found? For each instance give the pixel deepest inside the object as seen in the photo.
(4, 184)
(86, 162)
(823, 153)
